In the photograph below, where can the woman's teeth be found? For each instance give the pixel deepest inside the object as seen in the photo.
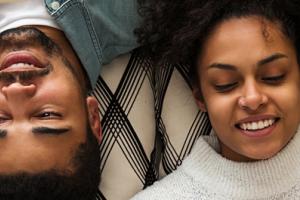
(253, 126)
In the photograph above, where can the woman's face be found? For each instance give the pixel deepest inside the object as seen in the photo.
(250, 83)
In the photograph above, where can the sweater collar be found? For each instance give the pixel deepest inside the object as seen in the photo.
(240, 179)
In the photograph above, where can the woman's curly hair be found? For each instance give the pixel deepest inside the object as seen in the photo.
(173, 30)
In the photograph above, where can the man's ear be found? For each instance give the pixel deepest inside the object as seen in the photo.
(94, 119)
(199, 99)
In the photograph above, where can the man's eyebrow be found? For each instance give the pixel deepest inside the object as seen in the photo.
(222, 66)
(271, 59)
(3, 133)
(49, 130)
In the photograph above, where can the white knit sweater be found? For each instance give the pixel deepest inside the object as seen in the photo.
(206, 175)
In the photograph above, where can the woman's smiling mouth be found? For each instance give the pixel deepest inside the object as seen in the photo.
(259, 127)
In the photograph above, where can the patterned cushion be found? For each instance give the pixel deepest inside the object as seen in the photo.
(149, 121)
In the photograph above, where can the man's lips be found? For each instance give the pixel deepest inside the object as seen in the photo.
(20, 61)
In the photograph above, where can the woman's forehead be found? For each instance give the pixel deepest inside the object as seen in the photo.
(237, 34)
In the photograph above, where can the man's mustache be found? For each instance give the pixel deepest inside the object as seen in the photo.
(23, 76)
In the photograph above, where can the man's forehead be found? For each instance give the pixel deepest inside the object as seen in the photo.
(15, 13)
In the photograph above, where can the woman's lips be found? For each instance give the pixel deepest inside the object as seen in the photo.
(20, 61)
(257, 126)
(259, 133)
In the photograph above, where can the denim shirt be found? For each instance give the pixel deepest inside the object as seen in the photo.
(98, 30)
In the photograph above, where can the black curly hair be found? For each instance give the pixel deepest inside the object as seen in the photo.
(173, 30)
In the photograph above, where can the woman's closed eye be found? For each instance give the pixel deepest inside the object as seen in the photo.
(225, 87)
(273, 79)
(4, 119)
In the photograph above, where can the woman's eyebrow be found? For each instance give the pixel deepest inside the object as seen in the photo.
(264, 61)
(49, 130)
(271, 58)
(222, 66)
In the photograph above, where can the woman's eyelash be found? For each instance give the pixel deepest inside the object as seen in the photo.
(230, 86)
(225, 87)
(273, 78)
(3, 119)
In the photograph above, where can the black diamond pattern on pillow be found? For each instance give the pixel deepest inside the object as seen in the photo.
(118, 128)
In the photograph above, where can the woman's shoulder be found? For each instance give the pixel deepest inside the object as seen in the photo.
(175, 186)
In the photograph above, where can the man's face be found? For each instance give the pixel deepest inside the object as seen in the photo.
(44, 114)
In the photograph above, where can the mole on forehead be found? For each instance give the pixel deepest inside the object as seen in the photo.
(268, 29)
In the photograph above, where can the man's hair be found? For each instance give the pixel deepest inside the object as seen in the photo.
(173, 30)
(80, 184)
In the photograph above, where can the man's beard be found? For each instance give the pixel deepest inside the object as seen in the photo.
(55, 185)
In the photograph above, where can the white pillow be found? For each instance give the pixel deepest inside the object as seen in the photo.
(150, 123)
(126, 102)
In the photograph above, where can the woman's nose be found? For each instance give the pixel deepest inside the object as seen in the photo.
(253, 97)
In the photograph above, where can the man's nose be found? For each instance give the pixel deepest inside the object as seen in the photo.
(253, 97)
(18, 92)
